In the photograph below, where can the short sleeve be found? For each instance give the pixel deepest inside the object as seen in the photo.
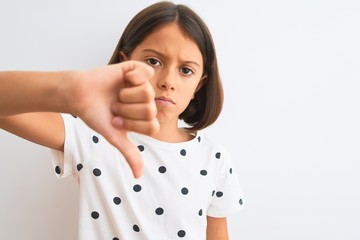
(63, 161)
(228, 196)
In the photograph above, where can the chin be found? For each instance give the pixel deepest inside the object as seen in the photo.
(166, 119)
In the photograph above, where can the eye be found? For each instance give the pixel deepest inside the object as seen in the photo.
(186, 71)
(153, 62)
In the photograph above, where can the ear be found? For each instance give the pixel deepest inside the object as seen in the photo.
(201, 83)
(122, 56)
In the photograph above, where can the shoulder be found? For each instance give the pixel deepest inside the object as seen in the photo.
(211, 143)
(78, 133)
(75, 125)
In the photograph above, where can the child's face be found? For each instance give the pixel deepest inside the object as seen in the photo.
(178, 66)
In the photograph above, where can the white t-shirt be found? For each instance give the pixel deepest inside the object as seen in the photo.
(181, 184)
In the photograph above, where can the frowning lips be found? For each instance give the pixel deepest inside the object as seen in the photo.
(164, 99)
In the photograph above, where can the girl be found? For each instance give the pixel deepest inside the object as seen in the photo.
(188, 186)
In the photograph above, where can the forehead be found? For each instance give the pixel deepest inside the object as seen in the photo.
(170, 38)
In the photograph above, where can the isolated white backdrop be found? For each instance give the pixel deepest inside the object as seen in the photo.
(291, 116)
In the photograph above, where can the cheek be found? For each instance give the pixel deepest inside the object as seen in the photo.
(153, 82)
(194, 88)
(188, 95)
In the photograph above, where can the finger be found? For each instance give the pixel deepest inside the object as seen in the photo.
(143, 127)
(129, 151)
(137, 94)
(136, 73)
(135, 111)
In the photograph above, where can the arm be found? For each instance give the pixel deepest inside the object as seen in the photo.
(27, 92)
(22, 92)
(217, 229)
(46, 129)
(94, 95)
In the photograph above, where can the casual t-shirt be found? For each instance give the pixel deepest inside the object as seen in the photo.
(182, 183)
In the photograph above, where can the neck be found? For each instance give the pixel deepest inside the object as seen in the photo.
(172, 133)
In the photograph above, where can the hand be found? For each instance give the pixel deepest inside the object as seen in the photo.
(122, 101)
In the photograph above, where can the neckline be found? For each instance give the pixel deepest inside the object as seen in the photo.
(169, 145)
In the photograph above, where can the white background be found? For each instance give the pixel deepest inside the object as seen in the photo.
(291, 72)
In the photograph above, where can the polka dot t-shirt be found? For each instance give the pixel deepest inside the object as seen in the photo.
(182, 183)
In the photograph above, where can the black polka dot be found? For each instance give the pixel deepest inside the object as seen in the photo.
(97, 172)
(218, 155)
(230, 170)
(162, 169)
(95, 139)
(199, 139)
(159, 211)
(95, 215)
(136, 228)
(203, 172)
(141, 148)
(181, 233)
(117, 200)
(219, 194)
(241, 201)
(115, 238)
(79, 167)
(213, 193)
(200, 212)
(183, 152)
(184, 191)
(57, 169)
(137, 188)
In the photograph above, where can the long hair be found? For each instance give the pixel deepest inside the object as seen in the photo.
(205, 107)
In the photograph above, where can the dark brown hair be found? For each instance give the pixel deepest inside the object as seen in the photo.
(206, 106)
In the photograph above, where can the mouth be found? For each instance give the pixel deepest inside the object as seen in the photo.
(164, 100)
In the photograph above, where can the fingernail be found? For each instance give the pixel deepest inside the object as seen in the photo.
(114, 109)
(118, 122)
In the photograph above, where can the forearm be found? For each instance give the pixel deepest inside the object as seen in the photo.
(91, 95)
(22, 92)
(217, 229)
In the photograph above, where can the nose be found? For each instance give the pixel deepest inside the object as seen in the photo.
(166, 80)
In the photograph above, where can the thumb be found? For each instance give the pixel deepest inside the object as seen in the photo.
(130, 152)
(136, 72)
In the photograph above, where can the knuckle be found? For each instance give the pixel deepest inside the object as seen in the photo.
(149, 111)
(115, 108)
(121, 95)
(146, 97)
(152, 127)
(148, 92)
(128, 125)
(149, 71)
(155, 126)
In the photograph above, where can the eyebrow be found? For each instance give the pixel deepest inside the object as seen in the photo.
(163, 56)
